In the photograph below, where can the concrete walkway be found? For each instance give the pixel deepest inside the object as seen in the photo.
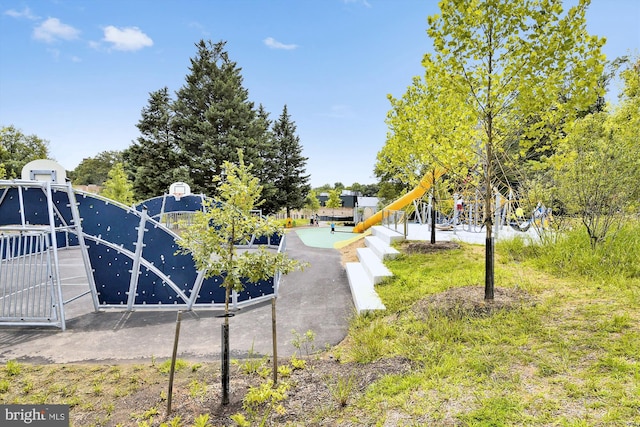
(316, 299)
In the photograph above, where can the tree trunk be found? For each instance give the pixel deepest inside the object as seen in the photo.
(488, 197)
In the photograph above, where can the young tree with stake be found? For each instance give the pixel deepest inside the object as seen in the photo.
(213, 237)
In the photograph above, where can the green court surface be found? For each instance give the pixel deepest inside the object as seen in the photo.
(321, 237)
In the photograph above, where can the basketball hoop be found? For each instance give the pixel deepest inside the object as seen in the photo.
(179, 189)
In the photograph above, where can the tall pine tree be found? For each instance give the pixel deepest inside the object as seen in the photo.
(264, 169)
(213, 117)
(153, 159)
(290, 164)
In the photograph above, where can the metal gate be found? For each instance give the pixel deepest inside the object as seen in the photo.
(30, 291)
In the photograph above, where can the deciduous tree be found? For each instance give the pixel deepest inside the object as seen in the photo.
(214, 233)
(117, 187)
(95, 170)
(511, 60)
(19, 149)
(598, 163)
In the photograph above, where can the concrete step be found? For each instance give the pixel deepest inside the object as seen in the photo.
(380, 248)
(373, 265)
(365, 297)
(386, 235)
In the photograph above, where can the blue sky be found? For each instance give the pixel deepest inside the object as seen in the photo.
(78, 73)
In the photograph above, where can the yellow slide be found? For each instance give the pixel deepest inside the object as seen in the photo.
(425, 183)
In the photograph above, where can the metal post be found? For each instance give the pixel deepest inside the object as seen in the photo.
(77, 225)
(274, 338)
(174, 356)
(135, 268)
(55, 272)
(225, 363)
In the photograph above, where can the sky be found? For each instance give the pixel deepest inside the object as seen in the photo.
(77, 73)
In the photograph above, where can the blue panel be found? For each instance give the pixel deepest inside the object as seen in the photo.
(110, 222)
(62, 205)
(275, 239)
(160, 250)
(154, 206)
(10, 207)
(255, 290)
(211, 291)
(35, 206)
(153, 290)
(190, 203)
(111, 272)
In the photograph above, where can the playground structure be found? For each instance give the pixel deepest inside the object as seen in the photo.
(467, 213)
(130, 258)
(423, 186)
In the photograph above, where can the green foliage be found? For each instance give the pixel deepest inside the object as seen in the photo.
(304, 342)
(342, 388)
(18, 149)
(572, 254)
(524, 70)
(95, 170)
(252, 363)
(263, 400)
(202, 420)
(312, 204)
(284, 371)
(174, 422)
(197, 389)
(596, 174)
(118, 187)
(12, 367)
(297, 363)
(334, 200)
(165, 367)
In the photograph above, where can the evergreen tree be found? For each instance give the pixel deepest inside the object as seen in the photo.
(265, 169)
(213, 117)
(291, 182)
(153, 160)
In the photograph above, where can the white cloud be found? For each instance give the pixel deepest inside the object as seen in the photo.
(128, 38)
(25, 13)
(275, 44)
(52, 30)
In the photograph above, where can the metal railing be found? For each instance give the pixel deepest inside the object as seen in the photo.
(395, 220)
(30, 292)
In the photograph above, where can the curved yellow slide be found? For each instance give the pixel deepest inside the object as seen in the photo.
(425, 184)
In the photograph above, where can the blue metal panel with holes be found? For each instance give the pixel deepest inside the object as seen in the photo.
(111, 273)
(109, 221)
(9, 207)
(190, 203)
(154, 206)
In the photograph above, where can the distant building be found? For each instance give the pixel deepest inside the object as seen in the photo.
(353, 210)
